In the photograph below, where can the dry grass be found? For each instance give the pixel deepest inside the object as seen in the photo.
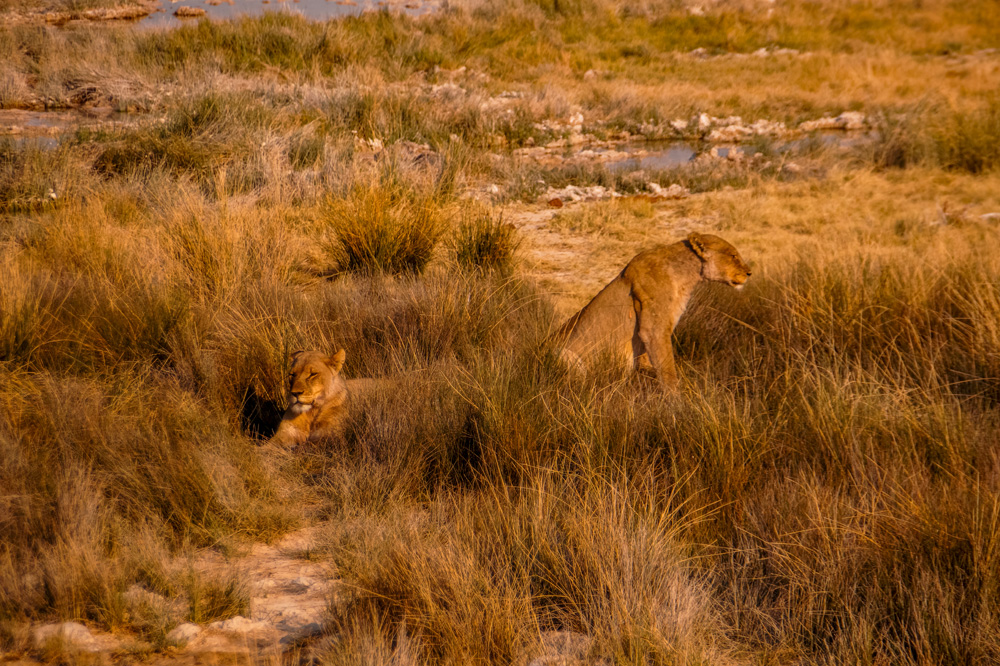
(824, 489)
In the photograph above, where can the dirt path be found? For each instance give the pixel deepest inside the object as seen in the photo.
(290, 590)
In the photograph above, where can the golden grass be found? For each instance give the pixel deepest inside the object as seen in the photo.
(823, 489)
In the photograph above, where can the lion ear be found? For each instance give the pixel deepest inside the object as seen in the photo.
(337, 360)
(296, 354)
(697, 243)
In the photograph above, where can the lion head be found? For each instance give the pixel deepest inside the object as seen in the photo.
(314, 380)
(721, 262)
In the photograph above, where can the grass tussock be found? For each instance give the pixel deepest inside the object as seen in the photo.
(484, 241)
(935, 136)
(384, 226)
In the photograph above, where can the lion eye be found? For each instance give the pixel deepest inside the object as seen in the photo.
(311, 375)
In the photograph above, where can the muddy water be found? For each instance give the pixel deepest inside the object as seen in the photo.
(319, 10)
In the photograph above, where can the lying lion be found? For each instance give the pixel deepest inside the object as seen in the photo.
(320, 399)
(317, 399)
(635, 315)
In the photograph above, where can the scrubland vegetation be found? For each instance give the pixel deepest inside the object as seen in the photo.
(825, 488)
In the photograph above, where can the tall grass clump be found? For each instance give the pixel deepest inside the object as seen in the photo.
(383, 226)
(934, 135)
(484, 241)
(486, 576)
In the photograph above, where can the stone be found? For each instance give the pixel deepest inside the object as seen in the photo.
(74, 636)
(848, 120)
(240, 625)
(674, 191)
(730, 134)
(852, 120)
(183, 634)
(589, 75)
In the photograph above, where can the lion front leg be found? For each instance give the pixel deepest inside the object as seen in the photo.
(654, 333)
(288, 435)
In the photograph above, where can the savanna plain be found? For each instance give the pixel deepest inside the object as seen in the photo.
(823, 488)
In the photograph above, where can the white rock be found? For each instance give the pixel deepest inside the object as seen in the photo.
(679, 125)
(852, 120)
(589, 75)
(183, 634)
(675, 191)
(75, 635)
(730, 134)
(447, 91)
(240, 625)
(848, 120)
(303, 583)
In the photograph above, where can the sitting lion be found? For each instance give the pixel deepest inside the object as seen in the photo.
(635, 315)
(317, 399)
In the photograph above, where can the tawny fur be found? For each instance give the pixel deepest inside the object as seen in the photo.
(634, 316)
(317, 400)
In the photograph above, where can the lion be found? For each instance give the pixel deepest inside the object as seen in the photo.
(635, 314)
(317, 400)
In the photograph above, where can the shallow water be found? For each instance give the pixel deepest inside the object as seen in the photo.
(650, 156)
(28, 142)
(659, 155)
(319, 10)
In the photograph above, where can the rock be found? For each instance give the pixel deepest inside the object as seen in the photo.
(447, 92)
(848, 120)
(183, 634)
(555, 202)
(589, 75)
(73, 635)
(675, 191)
(240, 625)
(189, 12)
(852, 120)
(730, 134)
(679, 125)
(768, 128)
(573, 193)
(990, 217)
